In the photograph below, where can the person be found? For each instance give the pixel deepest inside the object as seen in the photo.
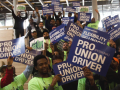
(19, 80)
(69, 14)
(41, 29)
(32, 25)
(18, 26)
(6, 73)
(94, 24)
(51, 25)
(43, 80)
(58, 22)
(36, 19)
(34, 35)
(65, 50)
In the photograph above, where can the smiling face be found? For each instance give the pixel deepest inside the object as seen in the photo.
(42, 66)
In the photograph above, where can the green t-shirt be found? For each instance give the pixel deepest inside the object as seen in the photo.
(38, 83)
(65, 55)
(81, 84)
(93, 25)
(17, 84)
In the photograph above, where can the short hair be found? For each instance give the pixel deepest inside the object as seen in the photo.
(40, 22)
(57, 57)
(52, 19)
(70, 13)
(65, 42)
(45, 31)
(37, 58)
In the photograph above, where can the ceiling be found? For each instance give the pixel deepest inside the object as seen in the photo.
(103, 5)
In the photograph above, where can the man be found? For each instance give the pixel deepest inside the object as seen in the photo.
(73, 85)
(31, 26)
(34, 35)
(94, 24)
(41, 29)
(36, 19)
(51, 25)
(69, 14)
(65, 50)
(18, 81)
(18, 26)
(6, 73)
(43, 80)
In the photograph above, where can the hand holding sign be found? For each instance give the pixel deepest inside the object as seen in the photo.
(9, 62)
(55, 80)
(96, 10)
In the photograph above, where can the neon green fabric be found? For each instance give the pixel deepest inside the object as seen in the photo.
(50, 62)
(49, 49)
(39, 83)
(93, 25)
(98, 85)
(81, 84)
(108, 44)
(112, 84)
(65, 55)
(17, 84)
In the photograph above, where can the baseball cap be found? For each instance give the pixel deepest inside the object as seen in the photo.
(33, 30)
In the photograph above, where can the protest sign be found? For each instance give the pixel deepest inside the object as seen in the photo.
(27, 58)
(37, 44)
(84, 17)
(104, 20)
(47, 9)
(69, 72)
(76, 4)
(70, 9)
(65, 20)
(12, 48)
(84, 9)
(58, 8)
(73, 30)
(55, 2)
(57, 33)
(95, 35)
(21, 8)
(112, 21)
(114, 33)
(102, 29)
(95, 56)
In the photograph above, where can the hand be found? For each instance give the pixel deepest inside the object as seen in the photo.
(55, 80)
(29, 48)
(46, 46)
(36, 9)
(87, 73)
(12, 7)
(70, 43)
(10, 60)
(96, 10)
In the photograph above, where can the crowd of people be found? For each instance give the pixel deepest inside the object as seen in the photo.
(43, 74)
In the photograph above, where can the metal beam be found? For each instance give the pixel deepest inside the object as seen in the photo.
(7, 7)
(41, 2)
(83, 2)
(29, 4)
(67, 3)
(10, 2)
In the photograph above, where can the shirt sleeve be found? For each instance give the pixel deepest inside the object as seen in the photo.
(8, 78)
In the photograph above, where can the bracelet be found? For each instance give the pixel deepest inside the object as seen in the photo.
(9, 65)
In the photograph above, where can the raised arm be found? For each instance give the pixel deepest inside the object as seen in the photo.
(98, 14)
(37, 11)
(13, 14)
(8, 78)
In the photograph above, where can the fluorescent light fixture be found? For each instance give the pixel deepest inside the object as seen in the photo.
(3, 4)
(29, 4)
(111, 1)
(41, 2)
(10, 2)
(67, 2)
(83, 2)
